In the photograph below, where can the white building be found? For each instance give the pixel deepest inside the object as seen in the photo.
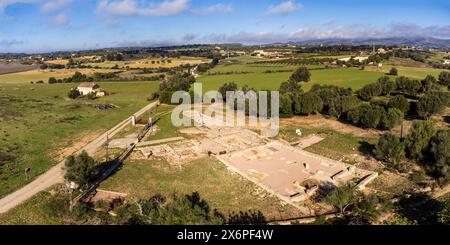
(359, 58)
(91, 88)
(446, 62)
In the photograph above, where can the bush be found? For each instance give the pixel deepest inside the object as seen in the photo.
(440, 148)
(429, 104)
(366, 115)
(332, 96)
(369, 91)
(290, 87)
(307, 103)
(428, 84)
(153, 96)
(52, 80)
(391, 118)
(73, 94)
(387, 86)
(391, 150)
(302, 74)
(418, 138)
(399, 102)
(408, 86)
(393, 72)
(80, 169)
(228, 87)
(286, 106)
(444, 78)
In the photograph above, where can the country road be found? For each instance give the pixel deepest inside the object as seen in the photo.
(55, 175)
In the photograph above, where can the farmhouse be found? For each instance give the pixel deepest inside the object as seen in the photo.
(89, 88)
(446, 62)
(359, 58)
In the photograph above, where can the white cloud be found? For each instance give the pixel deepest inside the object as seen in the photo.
(213, 9)
(59, 20)
(284, 8)
(55, 5)
(111, 8)
(343, 32)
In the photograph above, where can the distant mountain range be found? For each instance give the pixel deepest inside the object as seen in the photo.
(426, 42)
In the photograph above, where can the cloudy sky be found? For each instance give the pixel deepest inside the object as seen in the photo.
(48, 25)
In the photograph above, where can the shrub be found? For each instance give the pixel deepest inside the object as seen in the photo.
(369, 91)
(302, 74)
(393, 72)
(444, 78)
(286, 106)
(399, 102)
(387, 86)
(429, 104)
(408, 86)
(391, 118)
(391, 150)
(307, 103)
(418, 138)
(73, 94)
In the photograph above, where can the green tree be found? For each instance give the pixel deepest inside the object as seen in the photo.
(342, 197)
(228, 87)
(429, 104)
(333, 99)
(391, 118)
(52, 80)
(440, 148)
(187, 210)
(302, 74)
(73, 94)
(418, 138)
(391, 150)
(307, 103)
(387, 86)
(399, 102)
(80, 169)
(444, 78)
(428, 84)
(370, 116)
(393, 71)
(286, 106)
(290, 87)
(369, 91)
(408, 86)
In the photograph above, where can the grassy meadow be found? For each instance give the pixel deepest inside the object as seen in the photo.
(144, 178)
(412, 72)
(344, 77)
(38, 121)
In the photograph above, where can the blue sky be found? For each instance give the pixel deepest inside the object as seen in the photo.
(48, 25)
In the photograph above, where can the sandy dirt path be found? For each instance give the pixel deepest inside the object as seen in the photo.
(55, 175)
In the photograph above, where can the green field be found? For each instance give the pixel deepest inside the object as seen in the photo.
(257, 68)
(246, 59)
(38, 120)
(31, 212)
(344, 77)
(412, 72)
(221, 189)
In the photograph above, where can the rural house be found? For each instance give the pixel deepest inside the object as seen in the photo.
(89, 88)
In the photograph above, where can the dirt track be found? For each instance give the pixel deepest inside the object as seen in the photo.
(56, 174)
